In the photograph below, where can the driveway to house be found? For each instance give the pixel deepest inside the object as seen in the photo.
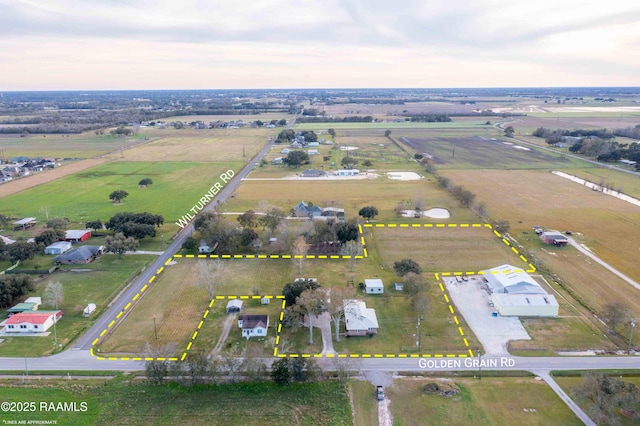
(582, 249)
(228, 322)
(323, 322)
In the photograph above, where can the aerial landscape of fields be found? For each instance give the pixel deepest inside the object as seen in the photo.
(319, 213)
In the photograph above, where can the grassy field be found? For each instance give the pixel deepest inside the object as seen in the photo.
(85, 196)
(171, 308)
(433, 248)
(602, 223)
(84, 145)
(214, 145)
(99, 284)
(364, 403)
(352, 195)
(391, 125)
(119, 401)
(490, 401)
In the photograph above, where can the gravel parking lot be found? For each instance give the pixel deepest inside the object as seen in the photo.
(472, 301)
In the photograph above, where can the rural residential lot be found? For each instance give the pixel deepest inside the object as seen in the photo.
(296, 247)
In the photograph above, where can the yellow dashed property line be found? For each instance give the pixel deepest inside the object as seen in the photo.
(441, 287)
(103, 332)
(94, 342)
(515, 250)
(177, 256)
(111, 323)
(119, 314)
(189, 256)
(428, 225)
(144, 287)
(504, 240)
(446, 298)
(168, 261)
(460, 330)
(455, 318)
(365, 252)
(452, 225)
(451, 309)
(151, 279)
(184, 355)
(466, 343)
(497, 234)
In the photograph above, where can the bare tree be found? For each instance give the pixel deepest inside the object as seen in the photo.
(346, 367)
(299, 250)
(335, 306)
(615, 313)
(352, 249)
(211, 275)
(53, 294)
(310, 304)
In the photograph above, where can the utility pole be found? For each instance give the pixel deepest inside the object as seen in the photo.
(633, 324)
(479, 365)
(55, 332)
(155, 331)
(418, 335)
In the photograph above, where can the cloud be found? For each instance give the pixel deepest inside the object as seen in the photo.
(313, 43)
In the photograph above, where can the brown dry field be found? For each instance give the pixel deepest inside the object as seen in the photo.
(605, 224)
(28, 182)
(582, 121)
(197, 145)
(178, 305)
(442, 249)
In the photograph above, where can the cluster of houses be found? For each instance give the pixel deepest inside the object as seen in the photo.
(201, 125)
(24, 166)
(300, 143)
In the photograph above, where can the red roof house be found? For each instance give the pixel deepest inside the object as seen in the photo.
(32, 321)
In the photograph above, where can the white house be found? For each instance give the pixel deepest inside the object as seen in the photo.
(347, 172)
(373, 286)
(58, 248)
(253, 325)
(32, 322)
(358, 319)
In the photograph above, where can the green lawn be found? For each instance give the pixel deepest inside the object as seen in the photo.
(85, 196)
(118, 401)
(490, 401)
(99, 284)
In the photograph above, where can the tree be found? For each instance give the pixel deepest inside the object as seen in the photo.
(49, 236)
(368, 212)
(615, 313)
(509, 131)
(280, 372)
(350, 248)
(291, 291)
(282, 122)
(248, 219)
(348, 162)
(178, 125)
(4, 221)
(145, 182)
(53, 295)
(138, 225)
(420, 303)
(212, 272)
(203, 220)
(58, 223)
(119, 244)
(259, 123)
(332, 132)
(502, 226)
(272, 219)
(467, 198)
(296, 158)
(604, 396)
(367, 163)
(94, 224)
(387, 133)
(13, 287)
(299, 251)
(413, 284)
(347, 231)
(404, 266)
(118, 195)
(21, 251)
(310, 304)
(335, 306)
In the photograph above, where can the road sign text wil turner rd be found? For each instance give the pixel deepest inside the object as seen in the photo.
(208, 196)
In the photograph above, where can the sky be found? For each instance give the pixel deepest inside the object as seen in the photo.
(222, 44)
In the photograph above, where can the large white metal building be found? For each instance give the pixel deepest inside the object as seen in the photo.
(516, 293)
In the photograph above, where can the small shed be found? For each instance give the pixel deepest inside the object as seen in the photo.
(25, 223)
(77, 235)
(265, 301)
(373, 286)
(91, 307)
(398, 286)
(22, 307)
(58, 247)
(234, 305)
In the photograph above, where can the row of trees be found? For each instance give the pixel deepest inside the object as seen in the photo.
(13, 287)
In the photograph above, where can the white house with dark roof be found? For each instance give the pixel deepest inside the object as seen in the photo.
(253, 325)
(358, 319)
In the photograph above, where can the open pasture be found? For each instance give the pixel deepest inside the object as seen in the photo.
(207, 145)
(382, 192)
(527, 198)
(83, 145)
(441, 249)
(490, 401)
(85, 196)
(481, 152)
(339, 127)
(575, 120)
